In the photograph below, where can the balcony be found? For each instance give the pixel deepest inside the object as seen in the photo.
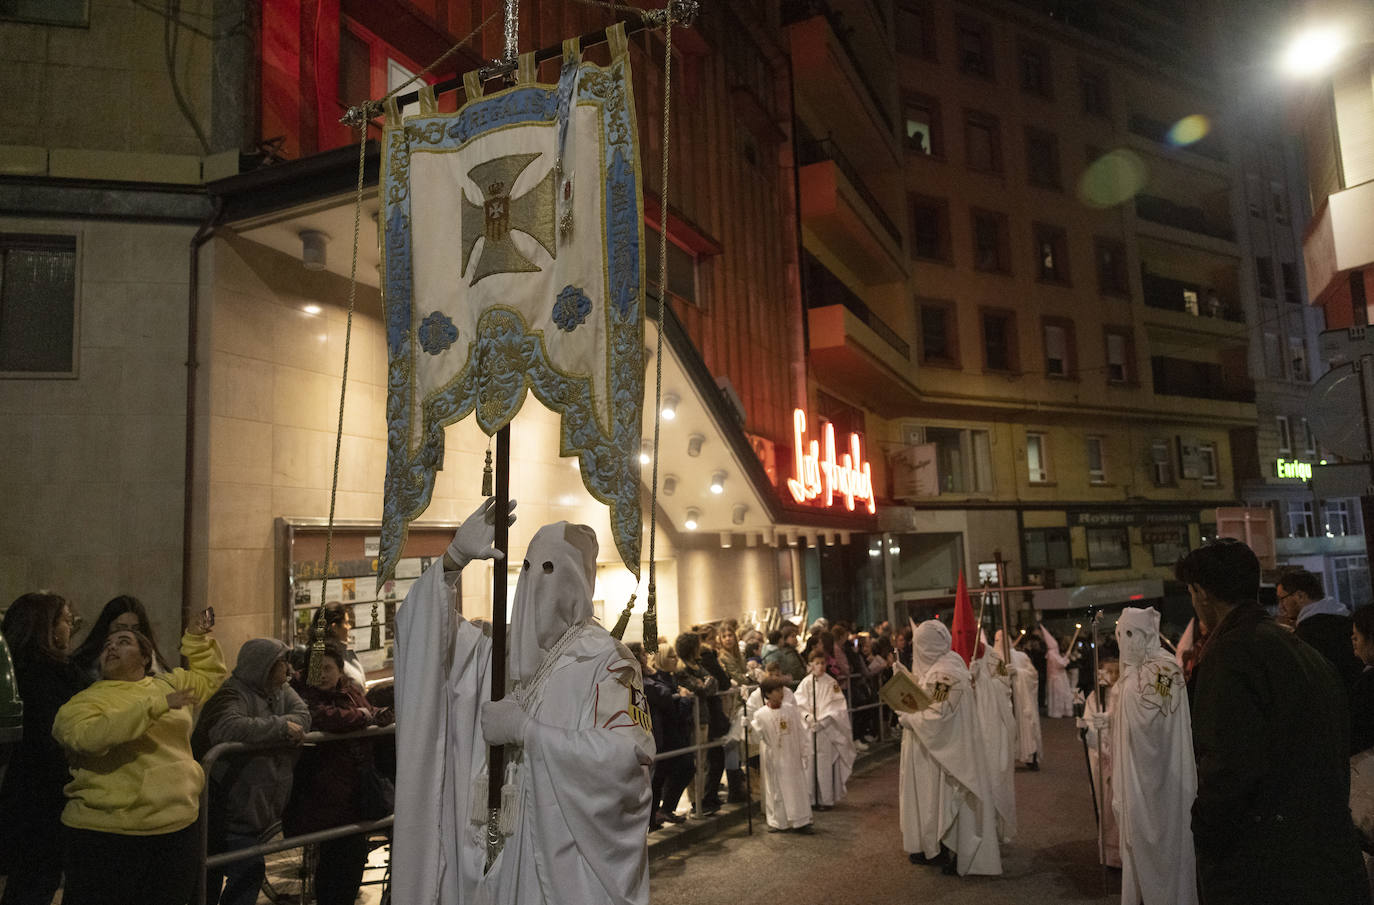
(1158, 132)
(795, 12)
(824, 289)
(1199, 380)
(845, 214)
(1203, 302)
(1340, 238)
(1181, 216)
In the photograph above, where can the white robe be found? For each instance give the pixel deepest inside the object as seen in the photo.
(997, 726)
(583, 789)
(785, 761)
(943, 791)
(1059, 694)
(824, 703)
(1101, 771)
(1154, 776)
(1025, 687)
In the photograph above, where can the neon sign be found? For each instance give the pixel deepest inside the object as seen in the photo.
(848, 477)
(1292, 468)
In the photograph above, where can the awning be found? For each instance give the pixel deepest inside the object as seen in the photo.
(1091, 595)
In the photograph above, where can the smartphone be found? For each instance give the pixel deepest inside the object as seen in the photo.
(209, 614)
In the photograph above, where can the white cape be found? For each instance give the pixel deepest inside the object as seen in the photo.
(824, 703)
(1059, 694)
(997, 727)
(785, 762)
(1101, 770)
(943, 792)
(1154, 776)
(1025, 687)
(582, 797)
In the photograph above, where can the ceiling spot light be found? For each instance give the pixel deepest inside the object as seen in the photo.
(669, 484)
(737, 514)
(693, 518)
(718, 483)
(694, 444)
(312, 308)
(645, 453)
(670, 403)
(313, 243)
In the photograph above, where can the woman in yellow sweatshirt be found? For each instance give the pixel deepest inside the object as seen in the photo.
(135, 791)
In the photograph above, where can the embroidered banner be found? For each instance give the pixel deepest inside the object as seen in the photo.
(512, 236)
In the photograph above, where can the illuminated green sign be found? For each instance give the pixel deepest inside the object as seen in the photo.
(1292, 468)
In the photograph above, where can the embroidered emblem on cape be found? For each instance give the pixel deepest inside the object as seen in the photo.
(941, 692)
(437, 333)
(1157, 685)
(782, 725)
(571, 309)
(471, 238)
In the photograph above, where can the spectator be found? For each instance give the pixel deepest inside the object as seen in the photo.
(731, 657)
(786, 656)
(1321, 621)
(326, 791)
(670, 707)
(731, 663)
(338, 627)
(773, 642)
(901, 644)
(785, 754)
(37, 628)
(1362, 692)
(123, 613)
(248, 791)
(714, 724)
(135, 792)
(1271, 822)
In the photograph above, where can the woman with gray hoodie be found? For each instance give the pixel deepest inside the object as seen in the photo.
(248, 791)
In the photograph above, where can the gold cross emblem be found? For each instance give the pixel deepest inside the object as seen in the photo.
(499, 214)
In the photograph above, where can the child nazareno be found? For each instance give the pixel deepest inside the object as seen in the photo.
(785, 757)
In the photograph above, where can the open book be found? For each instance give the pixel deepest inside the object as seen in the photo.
(903, 694)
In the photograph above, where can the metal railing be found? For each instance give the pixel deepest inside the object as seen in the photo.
(825, 149)
(207, 763)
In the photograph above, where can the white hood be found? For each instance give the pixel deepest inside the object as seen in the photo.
(930, 642)
(1137, 634)
(554, 592)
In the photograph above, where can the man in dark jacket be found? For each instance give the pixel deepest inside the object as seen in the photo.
(249, 791)
(1322, 621)
(1271, 823)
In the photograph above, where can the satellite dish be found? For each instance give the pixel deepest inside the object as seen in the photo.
(1337, 412)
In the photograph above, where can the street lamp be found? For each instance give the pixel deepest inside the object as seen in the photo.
(1314, 51)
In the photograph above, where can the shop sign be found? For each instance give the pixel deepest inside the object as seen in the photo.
(1118, 518)
(819, 475)
(1292, 468)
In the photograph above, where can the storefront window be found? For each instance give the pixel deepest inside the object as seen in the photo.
(1351, 574)
(1048, 548)
(1168, 543)
(1109, 548)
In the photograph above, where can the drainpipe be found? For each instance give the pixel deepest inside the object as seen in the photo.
(203, 235)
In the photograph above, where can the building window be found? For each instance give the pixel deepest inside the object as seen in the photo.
(1060, 357)
(1351, 579)
(1161, 463)
(991, 241)
(1047, 548)
(1109, 548)
(939, 339)
(999, 341)
(923, 132)
(1051, 253)
(1092, 85)
(975, 47)
(1037, 458)
(1301, 520)
(1288, 271)
(1254, 195)
(1207, 459)
(1264, 277)
(1280, 204)
(1297, 357)
(982, 142)
(1309, 442)
(1042, 158)
(1112, 278)
(1273, 355)
(1120, 356)
(1097, 461)
(682, 268)
(75, 13)
(1035, 71)
(963, 458)
(1285, 434)
(929, 228)
(915, 29)
(38, 316)
(1341, 517)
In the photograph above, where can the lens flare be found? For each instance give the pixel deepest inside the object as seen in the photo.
(1112, 179)
(1188, 130)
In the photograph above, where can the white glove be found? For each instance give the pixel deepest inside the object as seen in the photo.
(503, 722)
(1101, 721)
(476, 537)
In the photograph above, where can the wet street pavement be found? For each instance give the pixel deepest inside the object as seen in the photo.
(856, 857)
